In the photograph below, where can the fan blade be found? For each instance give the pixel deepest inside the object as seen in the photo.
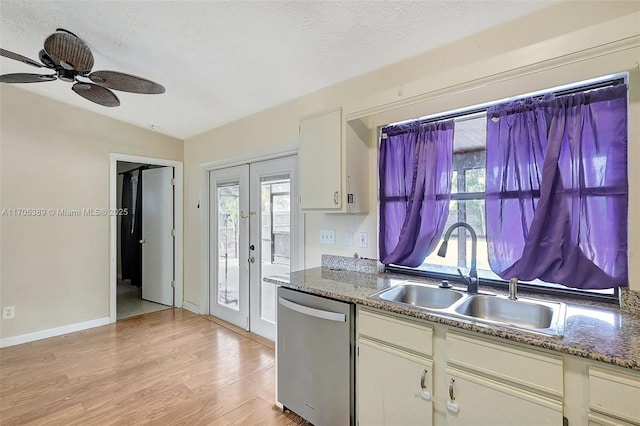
(16, 57)
(26, 78)
(126, 82)
(66, 31)
(97, 94)
(45, 59)
(69, 51)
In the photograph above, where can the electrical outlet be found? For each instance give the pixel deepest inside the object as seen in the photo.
(327, 237)
(348, 239)
(8, 312)
(363, 239)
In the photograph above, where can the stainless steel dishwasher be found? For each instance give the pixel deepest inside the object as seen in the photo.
(316, 357)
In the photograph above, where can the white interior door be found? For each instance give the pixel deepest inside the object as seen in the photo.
(157, 235)
(273, 196)
(229, 245)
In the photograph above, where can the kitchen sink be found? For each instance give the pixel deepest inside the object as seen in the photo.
(518, 313)
(421, 295)
(525, 314)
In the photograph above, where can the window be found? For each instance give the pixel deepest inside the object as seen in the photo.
(467, 202)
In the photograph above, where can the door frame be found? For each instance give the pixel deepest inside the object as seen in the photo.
(297, 244)
(177, 217)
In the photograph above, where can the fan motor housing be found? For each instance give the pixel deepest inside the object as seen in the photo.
(66, 75)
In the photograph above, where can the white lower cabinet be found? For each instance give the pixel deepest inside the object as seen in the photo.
(614, 397)
(476, 401)
(394, 387)
(394, 371)
(413, 372)
(490, 383)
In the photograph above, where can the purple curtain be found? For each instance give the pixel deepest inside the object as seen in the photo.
(415, 188)
(556, 189)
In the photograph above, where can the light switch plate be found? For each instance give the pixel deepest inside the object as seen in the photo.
(327, 236)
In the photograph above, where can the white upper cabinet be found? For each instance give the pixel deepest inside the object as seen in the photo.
(334, 163)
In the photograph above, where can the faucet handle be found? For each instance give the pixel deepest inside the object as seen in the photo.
(513, 288)
(465, 279)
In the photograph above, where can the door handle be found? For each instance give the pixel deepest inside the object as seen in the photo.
(142, 241)
(335, 197)
(252, 259)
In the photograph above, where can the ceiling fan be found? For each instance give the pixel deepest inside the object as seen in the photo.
(72, 60)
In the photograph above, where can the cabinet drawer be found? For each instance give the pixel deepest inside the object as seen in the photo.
(615, 394)
(533, 369)
(407, 335)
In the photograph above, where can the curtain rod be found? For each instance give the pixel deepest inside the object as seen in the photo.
(470, 114)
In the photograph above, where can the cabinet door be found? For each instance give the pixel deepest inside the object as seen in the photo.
(477, 401)
(320, 160)
(394, 387)
(615, 394)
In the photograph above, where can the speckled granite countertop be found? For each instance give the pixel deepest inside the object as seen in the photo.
(593, 331)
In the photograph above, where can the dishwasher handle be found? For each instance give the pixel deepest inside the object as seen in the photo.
(318, 313)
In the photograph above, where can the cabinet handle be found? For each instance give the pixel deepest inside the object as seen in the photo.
(424, 393)
(451, 396)
(452, 406)
(335, 197)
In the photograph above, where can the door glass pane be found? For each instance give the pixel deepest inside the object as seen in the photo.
(275, 231)
(228, 233)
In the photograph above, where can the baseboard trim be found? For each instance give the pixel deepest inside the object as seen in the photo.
(53, 332)
(191, 307)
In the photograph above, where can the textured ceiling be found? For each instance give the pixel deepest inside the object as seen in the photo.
(223, 60)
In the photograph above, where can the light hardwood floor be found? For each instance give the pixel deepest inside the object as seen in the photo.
(162, 368)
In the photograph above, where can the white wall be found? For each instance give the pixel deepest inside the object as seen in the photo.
(558, 45)
(55, 270)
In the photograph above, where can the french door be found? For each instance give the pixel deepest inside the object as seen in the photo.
(253, 234)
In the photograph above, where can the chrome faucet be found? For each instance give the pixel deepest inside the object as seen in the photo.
(472, 278)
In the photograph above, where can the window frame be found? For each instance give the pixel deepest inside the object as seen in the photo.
(612, 80)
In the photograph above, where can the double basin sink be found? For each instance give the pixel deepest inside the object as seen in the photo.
(525, 314)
